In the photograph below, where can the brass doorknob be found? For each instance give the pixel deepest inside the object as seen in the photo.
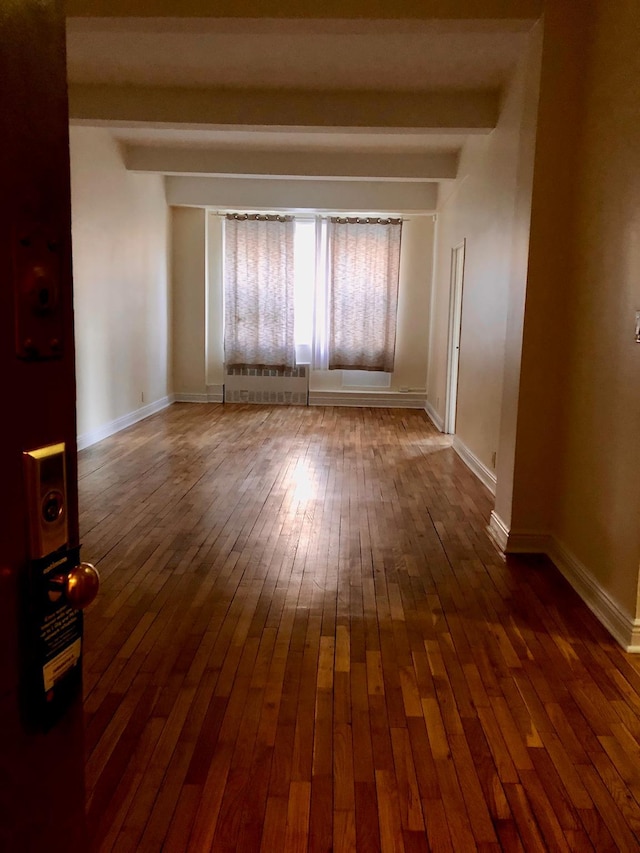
(79, 587)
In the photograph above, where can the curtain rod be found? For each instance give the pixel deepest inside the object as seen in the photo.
(299, 215)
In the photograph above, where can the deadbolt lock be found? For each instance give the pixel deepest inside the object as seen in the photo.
(46, 490)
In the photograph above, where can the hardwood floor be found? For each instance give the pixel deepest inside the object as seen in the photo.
(305, 641)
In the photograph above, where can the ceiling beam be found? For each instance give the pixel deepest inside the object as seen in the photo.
(257, 194)
(444, 112)
(372, 165)
(338, 9)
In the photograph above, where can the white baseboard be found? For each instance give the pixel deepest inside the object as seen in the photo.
(498, 531)
(212, 396)
(435, 417)
(620, 624)
(181, 397)
(95, 435)
(379, 399)
(481, 471)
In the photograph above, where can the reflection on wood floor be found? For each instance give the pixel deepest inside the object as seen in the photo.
(305, 641)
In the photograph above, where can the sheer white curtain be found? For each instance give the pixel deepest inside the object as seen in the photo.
(321, 308)
(364, 266)
(259, 291)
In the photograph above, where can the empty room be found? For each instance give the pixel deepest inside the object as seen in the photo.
(321, 516)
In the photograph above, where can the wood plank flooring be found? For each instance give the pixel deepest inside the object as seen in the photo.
(305, 641)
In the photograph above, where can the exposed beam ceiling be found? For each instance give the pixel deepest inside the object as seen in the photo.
(432, 166)
(259, 194)
(460, 112)
(250, 138)
(357, 89)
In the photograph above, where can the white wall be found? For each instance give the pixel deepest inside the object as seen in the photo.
(481, 207)
(199, 354)
(188, 270)
(120, 243)
(529, 78)
(215, 302)
(598, 511)
(414, 302)
(575, 493)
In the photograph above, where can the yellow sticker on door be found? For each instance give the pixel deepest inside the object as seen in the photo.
(61, 664)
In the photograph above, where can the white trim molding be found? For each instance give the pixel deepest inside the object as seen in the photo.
(620, 624)
(435, 417)
(112, 427)
(484, 474)
(215, 393)
(498, 531)
(379, 399)
(181, 397)
(618, 621)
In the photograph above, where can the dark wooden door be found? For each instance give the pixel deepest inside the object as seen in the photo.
(41, 772)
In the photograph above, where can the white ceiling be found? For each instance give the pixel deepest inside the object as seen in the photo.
(109, 58)
(312, 55)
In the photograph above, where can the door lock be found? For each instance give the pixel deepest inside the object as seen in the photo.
(46, 490)
(59, 588)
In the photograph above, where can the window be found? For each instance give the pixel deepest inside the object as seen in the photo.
(304, 265)
(363, 293)
(320, 291)
(259, 291)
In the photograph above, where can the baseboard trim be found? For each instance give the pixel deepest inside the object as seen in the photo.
(215, 393)
(498, 531)
(618, 622)
(471, 461)
(435, 417)
(112, 427)
(372, 399)
(191, 398)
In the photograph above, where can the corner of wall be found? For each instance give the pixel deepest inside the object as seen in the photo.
(486, 476)
(623, 626)
(120, 284)
(434, 416)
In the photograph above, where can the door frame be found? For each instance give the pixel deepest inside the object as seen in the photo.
(455, 335)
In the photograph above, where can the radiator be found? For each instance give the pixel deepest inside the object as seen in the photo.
(287, 387)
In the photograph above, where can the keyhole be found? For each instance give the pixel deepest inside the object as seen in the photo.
(52, 507)
(43, 295)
